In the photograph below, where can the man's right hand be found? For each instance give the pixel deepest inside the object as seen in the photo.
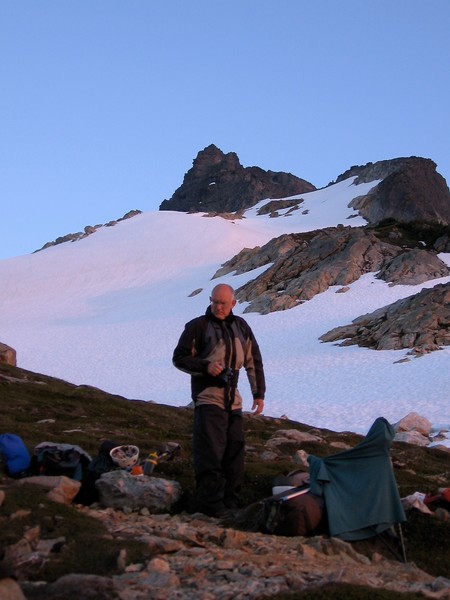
(215, 368)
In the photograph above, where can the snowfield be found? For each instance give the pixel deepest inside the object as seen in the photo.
(107, 311)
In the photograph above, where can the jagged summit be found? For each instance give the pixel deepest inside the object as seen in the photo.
(217, 182)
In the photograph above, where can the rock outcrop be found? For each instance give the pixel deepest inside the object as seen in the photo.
(88, 230)
(420, 322)
(217, 182)
(410, 190)
(8, 355)
(303, 265)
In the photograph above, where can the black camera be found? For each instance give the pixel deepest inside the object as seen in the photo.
(226, 375)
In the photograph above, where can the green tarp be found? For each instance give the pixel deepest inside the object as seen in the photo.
(359, 487)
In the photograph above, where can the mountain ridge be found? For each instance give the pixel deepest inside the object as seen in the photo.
(217, 183)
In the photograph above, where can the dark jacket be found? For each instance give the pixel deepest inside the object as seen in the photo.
(231, 342)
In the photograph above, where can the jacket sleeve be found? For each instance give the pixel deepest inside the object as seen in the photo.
(254, 365)
(185, 356)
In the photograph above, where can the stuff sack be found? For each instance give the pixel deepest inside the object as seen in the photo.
(60, 459)
(14, 454)
(102, 463)
(301, 514)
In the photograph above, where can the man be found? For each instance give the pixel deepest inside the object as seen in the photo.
(212, 349)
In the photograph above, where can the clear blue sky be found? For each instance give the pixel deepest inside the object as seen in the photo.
(104, 104)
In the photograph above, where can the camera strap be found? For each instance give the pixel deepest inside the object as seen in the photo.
(230, 361)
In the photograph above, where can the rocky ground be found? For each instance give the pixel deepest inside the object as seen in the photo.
(60, 551)
(194, 557)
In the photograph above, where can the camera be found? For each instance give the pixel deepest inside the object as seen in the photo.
(226, 375)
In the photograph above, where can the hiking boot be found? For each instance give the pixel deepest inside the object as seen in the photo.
(217, 509)
(232, 502)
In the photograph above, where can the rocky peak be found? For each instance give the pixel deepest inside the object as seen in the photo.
(217, 182)
(212, 157)
(410, 190)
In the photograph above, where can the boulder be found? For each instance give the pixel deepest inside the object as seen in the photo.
(121, 490)
(8, 355)
(10, 589)
(414, 422)
(410, 190)
(62, 489)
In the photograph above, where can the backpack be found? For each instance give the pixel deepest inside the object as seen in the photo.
(293, 510)
(14, 453)
(60, 459)
(102, 463)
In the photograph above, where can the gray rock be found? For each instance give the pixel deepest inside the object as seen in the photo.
(120, 489)
(419, 321)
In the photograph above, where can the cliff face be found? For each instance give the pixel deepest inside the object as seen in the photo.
(217, 182)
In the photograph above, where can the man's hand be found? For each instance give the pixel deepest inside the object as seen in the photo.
(215, 368)
(258, 406)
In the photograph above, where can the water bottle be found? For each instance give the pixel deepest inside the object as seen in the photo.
(150, 463)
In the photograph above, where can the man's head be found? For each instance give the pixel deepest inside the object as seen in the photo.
(222, 301)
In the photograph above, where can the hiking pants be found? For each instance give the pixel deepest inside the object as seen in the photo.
(219, 447)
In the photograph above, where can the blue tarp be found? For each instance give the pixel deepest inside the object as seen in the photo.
(359, 487)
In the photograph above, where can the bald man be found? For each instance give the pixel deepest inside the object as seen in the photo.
(212, 349)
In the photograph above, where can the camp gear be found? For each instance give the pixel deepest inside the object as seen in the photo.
(359, 487)
(125, 457)
(14, 453)
(59, 459)
(165, 453)
(294, 512)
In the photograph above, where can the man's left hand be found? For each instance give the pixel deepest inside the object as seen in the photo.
(258, 406)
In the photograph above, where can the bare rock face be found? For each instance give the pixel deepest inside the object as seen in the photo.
(410, 190)
(217, 182)
(303, 265)
(8, 355)
(421, 322)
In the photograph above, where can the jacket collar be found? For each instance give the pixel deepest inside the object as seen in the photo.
(210, 316)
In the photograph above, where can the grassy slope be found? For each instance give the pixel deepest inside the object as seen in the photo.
(40, 408)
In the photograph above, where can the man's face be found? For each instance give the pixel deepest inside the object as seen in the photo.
(222, 302)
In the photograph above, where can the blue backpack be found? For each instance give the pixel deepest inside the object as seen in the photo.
(14, 453)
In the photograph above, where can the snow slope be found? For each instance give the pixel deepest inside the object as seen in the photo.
(108, 310)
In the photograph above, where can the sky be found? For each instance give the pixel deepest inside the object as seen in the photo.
(108, 310)
(104, 104)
